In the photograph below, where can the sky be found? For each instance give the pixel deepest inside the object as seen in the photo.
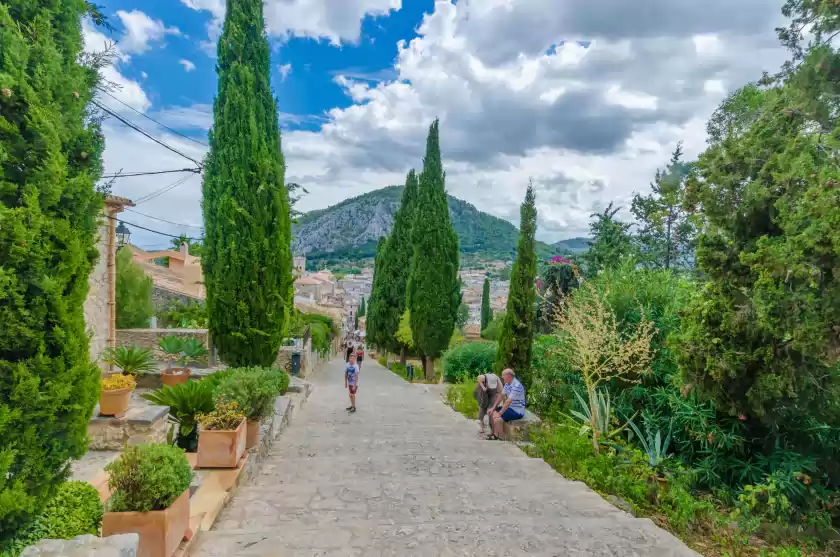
(583, 99)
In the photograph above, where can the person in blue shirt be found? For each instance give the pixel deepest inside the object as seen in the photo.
(351, 380)
(510, 404)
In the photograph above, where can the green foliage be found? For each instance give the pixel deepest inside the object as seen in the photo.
(494, 329)
(606, 424)
(74, 511)
(148, 478)
(171, 345)
(134, 293)
(247, 256)
(50, 158)
(553, 381)
(611, 242)
(130, 359)
(460, 397)
(178, 315)
(434, 292)
(192, 350)
(226, 416)
(362, 308)
(655, 448)
(185, 401)
(462, 317)
(404, 335)
(486, 310)
(194, 247)
(254, 391)
(375, 324)
(468, 361)
(667, 234)
(514, 350)
(557, 281)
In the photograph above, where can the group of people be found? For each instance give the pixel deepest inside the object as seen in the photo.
(501, 400)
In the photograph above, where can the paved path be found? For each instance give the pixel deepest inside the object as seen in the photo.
(406, 476)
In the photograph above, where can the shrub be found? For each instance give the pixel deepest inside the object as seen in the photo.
(468, 361)
(148, 478)
(280, 379)
(184, 316)
(119, 381)
(494, 329)
(460, 397)
(185, 401)
(131, 359)
(225, 417)
(74, 511)
(253, 390)
(134, 293)
(192, 350)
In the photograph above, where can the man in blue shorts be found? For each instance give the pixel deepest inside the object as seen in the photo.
(510, 404)
(351, 381)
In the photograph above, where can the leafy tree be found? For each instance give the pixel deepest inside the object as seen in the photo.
(247, 257)
(463, 316)
(375, 310)
(362, 308)
(434, 287)
(514, 350)
(404, 331)
(494, 329)
(667, 234)
(193, 246)
(134, 293)
(611, 241)
(51, 147)
(559, 278)
(486, 310)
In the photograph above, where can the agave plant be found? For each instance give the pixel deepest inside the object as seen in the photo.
(185, 401)
(656, 449)
(172, 347)
(192, 350)
(131, 359)
(596, 416)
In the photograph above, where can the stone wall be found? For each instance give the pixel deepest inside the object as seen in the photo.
(307, 358)
(96, 303)
(149, 338)
(162, 298)
(121, 545)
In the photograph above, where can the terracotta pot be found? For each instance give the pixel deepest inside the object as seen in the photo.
(176, 376)
(114, 403)
(160, 532)
(252, 438)
(221, 448)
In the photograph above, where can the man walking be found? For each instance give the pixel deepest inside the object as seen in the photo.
(360, 353)
(351, 381)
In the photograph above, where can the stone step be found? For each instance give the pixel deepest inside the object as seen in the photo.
(142, 423)
(614, 536)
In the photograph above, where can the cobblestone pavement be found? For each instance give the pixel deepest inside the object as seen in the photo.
(407, 476)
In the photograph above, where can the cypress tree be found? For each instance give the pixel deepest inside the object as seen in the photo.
(434, 287)
(247, 257)
(373, 325)
(51, 149)
(362, 308)
(514, 350)
(486, 312)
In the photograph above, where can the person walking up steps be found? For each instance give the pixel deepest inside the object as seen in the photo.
(351, 381)
(360, 353)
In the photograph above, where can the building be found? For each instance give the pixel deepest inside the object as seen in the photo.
(299, 265)
(180, 277)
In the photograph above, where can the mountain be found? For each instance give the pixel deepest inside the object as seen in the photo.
(572, 245)
(350, 230)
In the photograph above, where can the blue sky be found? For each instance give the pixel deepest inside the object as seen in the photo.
(584, 100)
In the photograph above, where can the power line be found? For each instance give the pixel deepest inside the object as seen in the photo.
(145, 133)
(150, 230)
(164, 220)
(144, 115)
(162, 190)
(132, 174)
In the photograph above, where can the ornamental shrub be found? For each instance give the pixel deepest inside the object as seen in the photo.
(148, 478)
(74, 511)
(226, 416)
(50, 158)
(468, 361)
(253, 391)
(134, 293)
(119, 381)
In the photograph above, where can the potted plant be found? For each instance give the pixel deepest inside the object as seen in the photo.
(150, 487)
(131, 360)
(185, 401)
(172, 346)
(221, 440)
(116, 395)
(254, 391)
(192, 350)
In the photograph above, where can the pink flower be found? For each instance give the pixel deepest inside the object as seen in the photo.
(539, 284)
(742, 417)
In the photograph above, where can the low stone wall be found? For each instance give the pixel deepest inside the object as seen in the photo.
(149, 338)
(307, 358)
(121, 545)
(162, 298)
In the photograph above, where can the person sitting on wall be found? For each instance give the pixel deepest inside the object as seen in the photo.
(510, 404)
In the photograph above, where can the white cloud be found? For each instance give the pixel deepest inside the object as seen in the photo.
(188, 66)
(125, 89)
(141, 30)
(144, 75)
(285, 70)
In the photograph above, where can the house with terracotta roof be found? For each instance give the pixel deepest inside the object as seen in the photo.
(180, 276)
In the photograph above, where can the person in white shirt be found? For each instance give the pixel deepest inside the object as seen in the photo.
(486, 392)
(510, 404)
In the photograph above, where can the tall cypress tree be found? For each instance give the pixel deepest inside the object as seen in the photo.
(434, 287)
(395, 268)
(514, 349)
(375, 309)
(362, 308)
(247, 257)
(51, 157)
(486, 312)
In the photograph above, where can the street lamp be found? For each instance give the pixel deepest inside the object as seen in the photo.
(123, 235)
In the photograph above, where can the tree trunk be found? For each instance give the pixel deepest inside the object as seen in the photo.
(403, 354)
(430, 369)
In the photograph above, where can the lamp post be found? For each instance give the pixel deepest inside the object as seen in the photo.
(123, 235)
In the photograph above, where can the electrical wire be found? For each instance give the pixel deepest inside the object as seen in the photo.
(164, 220)
(144, 115)
(132, 174)
(143, 132)
(162, 190)
(150, 230)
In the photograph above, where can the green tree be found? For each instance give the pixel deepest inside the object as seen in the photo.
(362, 308)
(611, 242)
(494, 328)
(247, 257)
(50, 158)
(667, 235)
(486, 310)
(134, 293)
(375, 309)
(463, 316)
(193, 246)
(517, 336)
(434, 289)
